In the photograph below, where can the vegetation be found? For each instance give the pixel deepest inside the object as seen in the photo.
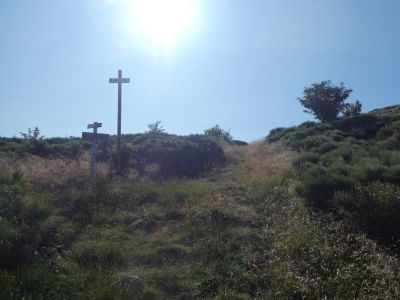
(32, 134)
(194, 218)
(163, 155)
(219, 133)
(352, 166)
(144, 239)
(327, 101)
(53, 147)
(156, 128)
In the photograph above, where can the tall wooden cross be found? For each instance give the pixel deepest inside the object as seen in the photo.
(120, 81)
(94, 137)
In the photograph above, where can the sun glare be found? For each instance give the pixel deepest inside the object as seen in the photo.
(164, 22)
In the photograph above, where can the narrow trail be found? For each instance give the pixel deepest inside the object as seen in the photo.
(244, 211)
(273, 247)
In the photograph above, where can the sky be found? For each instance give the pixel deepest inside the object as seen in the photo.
(192, 63)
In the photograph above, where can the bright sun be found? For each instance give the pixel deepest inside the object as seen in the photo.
(164, 22)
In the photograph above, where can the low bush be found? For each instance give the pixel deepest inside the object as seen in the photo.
(377, 205)
(174, 156)
(52, 147)
(308, 157)
(319, 184)
(351, 164)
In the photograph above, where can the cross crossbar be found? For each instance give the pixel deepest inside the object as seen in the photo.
(95, 136)
(119, 80)
(94, 125)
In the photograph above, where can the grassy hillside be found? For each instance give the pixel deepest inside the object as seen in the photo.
(352, 167)
(232, 226)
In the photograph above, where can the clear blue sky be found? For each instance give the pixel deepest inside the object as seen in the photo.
(241, 64)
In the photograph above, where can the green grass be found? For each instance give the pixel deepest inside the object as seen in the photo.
(237, 231)
(353, 165)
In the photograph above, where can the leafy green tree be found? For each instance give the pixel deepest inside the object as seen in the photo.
(32, 134)
(219, 133)
(352, 109)
(327, 101)
(155, 128)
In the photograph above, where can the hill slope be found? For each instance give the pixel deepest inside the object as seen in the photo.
(352, 166)
(239, 232)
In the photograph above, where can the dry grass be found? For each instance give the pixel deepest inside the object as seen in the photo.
(320, 258)
(252, 167)
(260, 160)
(46, 171)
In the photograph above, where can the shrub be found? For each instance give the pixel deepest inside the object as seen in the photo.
(53, 147)
(277, 134)
(358, 159)
(176, 156)
(364, 126)
(307, 124)
(315, 141)
(377, 206)
(326, 147)
(239, 143)
(219, 133)
(305, 158)
(38, 147)
(373, 172)
(318, 186)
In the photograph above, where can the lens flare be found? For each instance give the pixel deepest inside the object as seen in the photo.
(164, 22)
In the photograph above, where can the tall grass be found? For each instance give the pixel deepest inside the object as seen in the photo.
(51, 171)
(237, 232)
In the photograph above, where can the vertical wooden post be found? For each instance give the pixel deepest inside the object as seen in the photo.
(92, 168)
(119, 124)
(94, 137)
(120, 81)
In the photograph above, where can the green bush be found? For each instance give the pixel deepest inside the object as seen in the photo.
(305, 158)
(52, 147)
(365, 126)
(312, 142)
(174, 156)
(326, 147)
(347, 162)
(218, 133)
(318, 186)
(278, 134)
(377, 206)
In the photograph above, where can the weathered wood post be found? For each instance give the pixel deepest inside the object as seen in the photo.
(94, 137)
(120, 81)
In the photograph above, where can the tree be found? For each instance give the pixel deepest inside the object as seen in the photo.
(327, 101)
(32, 134)
(155, 128)
(219, 133)
(353, 109)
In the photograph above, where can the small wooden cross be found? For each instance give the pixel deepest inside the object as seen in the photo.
(94, 137)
